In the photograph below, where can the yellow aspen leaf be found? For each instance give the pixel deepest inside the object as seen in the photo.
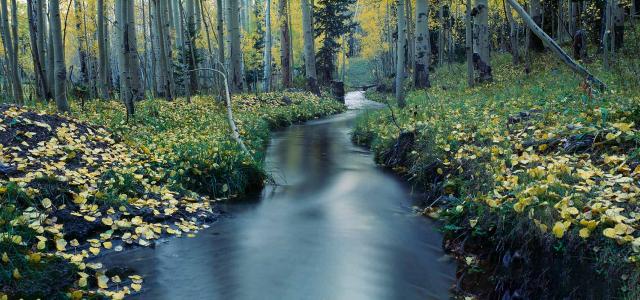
(61, 244)
(107, 221)
(41, 245)
(82, 282)
(107, 245)
(584, 233)
(16, 274)
(89, 218)
(74, 243)
(94, 250)
(136, 287)
(102, 281)
(5, 257)
(79, 199)
(35, 257)
(612, 136)
(558, 230)
(46, 203)
(610, 233)
(16, 239)
(77, 295)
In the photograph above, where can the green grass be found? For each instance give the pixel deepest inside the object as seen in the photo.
(508, 155)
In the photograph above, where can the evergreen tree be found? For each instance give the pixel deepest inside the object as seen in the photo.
(333, 19)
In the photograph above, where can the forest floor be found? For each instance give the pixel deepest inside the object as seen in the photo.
(535, 177)
(75, 188)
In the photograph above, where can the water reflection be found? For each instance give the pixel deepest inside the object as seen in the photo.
(332, 227)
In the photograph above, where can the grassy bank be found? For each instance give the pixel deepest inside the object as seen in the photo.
(534, 176)
(75, 189)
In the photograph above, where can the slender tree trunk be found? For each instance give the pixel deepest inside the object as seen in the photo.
(58, 54)
(606, 39)
(513, 34)
(188, 71)
(149, 49)
(35, 51)
(179, 32)
(267, 47)
(82, 54)
(220, 30)
(133, 61)
(165, 49)
(483, 30)
(422, 45)
(309, 48)
(50, 63)
(285, 42)
(191, 31)
(536, 14)
(127, 93)
(401, 44)
(102, 52)
(469, 45)
(9, 45)
(441, 38)
(235, 64)
(41, 43)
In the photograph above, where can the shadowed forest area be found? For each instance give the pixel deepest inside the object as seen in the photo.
(234, 149)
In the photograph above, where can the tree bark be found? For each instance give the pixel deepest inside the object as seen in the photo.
(483, 31)
(401, 45)
(285, 43)
(136, 83)
(82, 54)
(513, 34)
(422, 45)
(536, 15)
(191, 32)
(267, 47)
(220, 30)
(102, 52)
(469, 45)
(60, 69)
(309, 48)
(9, 41)
(237, 81)
(557, 50)
(41, 80)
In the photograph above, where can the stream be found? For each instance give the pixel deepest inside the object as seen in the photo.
(333, 225)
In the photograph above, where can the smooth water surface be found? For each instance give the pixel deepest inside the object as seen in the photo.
(333, 226)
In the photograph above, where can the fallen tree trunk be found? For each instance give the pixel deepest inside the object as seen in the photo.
(550, 43)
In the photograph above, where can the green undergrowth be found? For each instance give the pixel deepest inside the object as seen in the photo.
(542, 165)
(193, 139)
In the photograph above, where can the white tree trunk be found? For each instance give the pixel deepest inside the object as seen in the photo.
(483, 31)
(267, 47)
(401, 53)
(285, 43)
(9, 41)
(422, 45)
(309, 48)
(60, 92)
(235, 65)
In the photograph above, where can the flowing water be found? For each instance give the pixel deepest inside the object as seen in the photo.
(332, 226)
